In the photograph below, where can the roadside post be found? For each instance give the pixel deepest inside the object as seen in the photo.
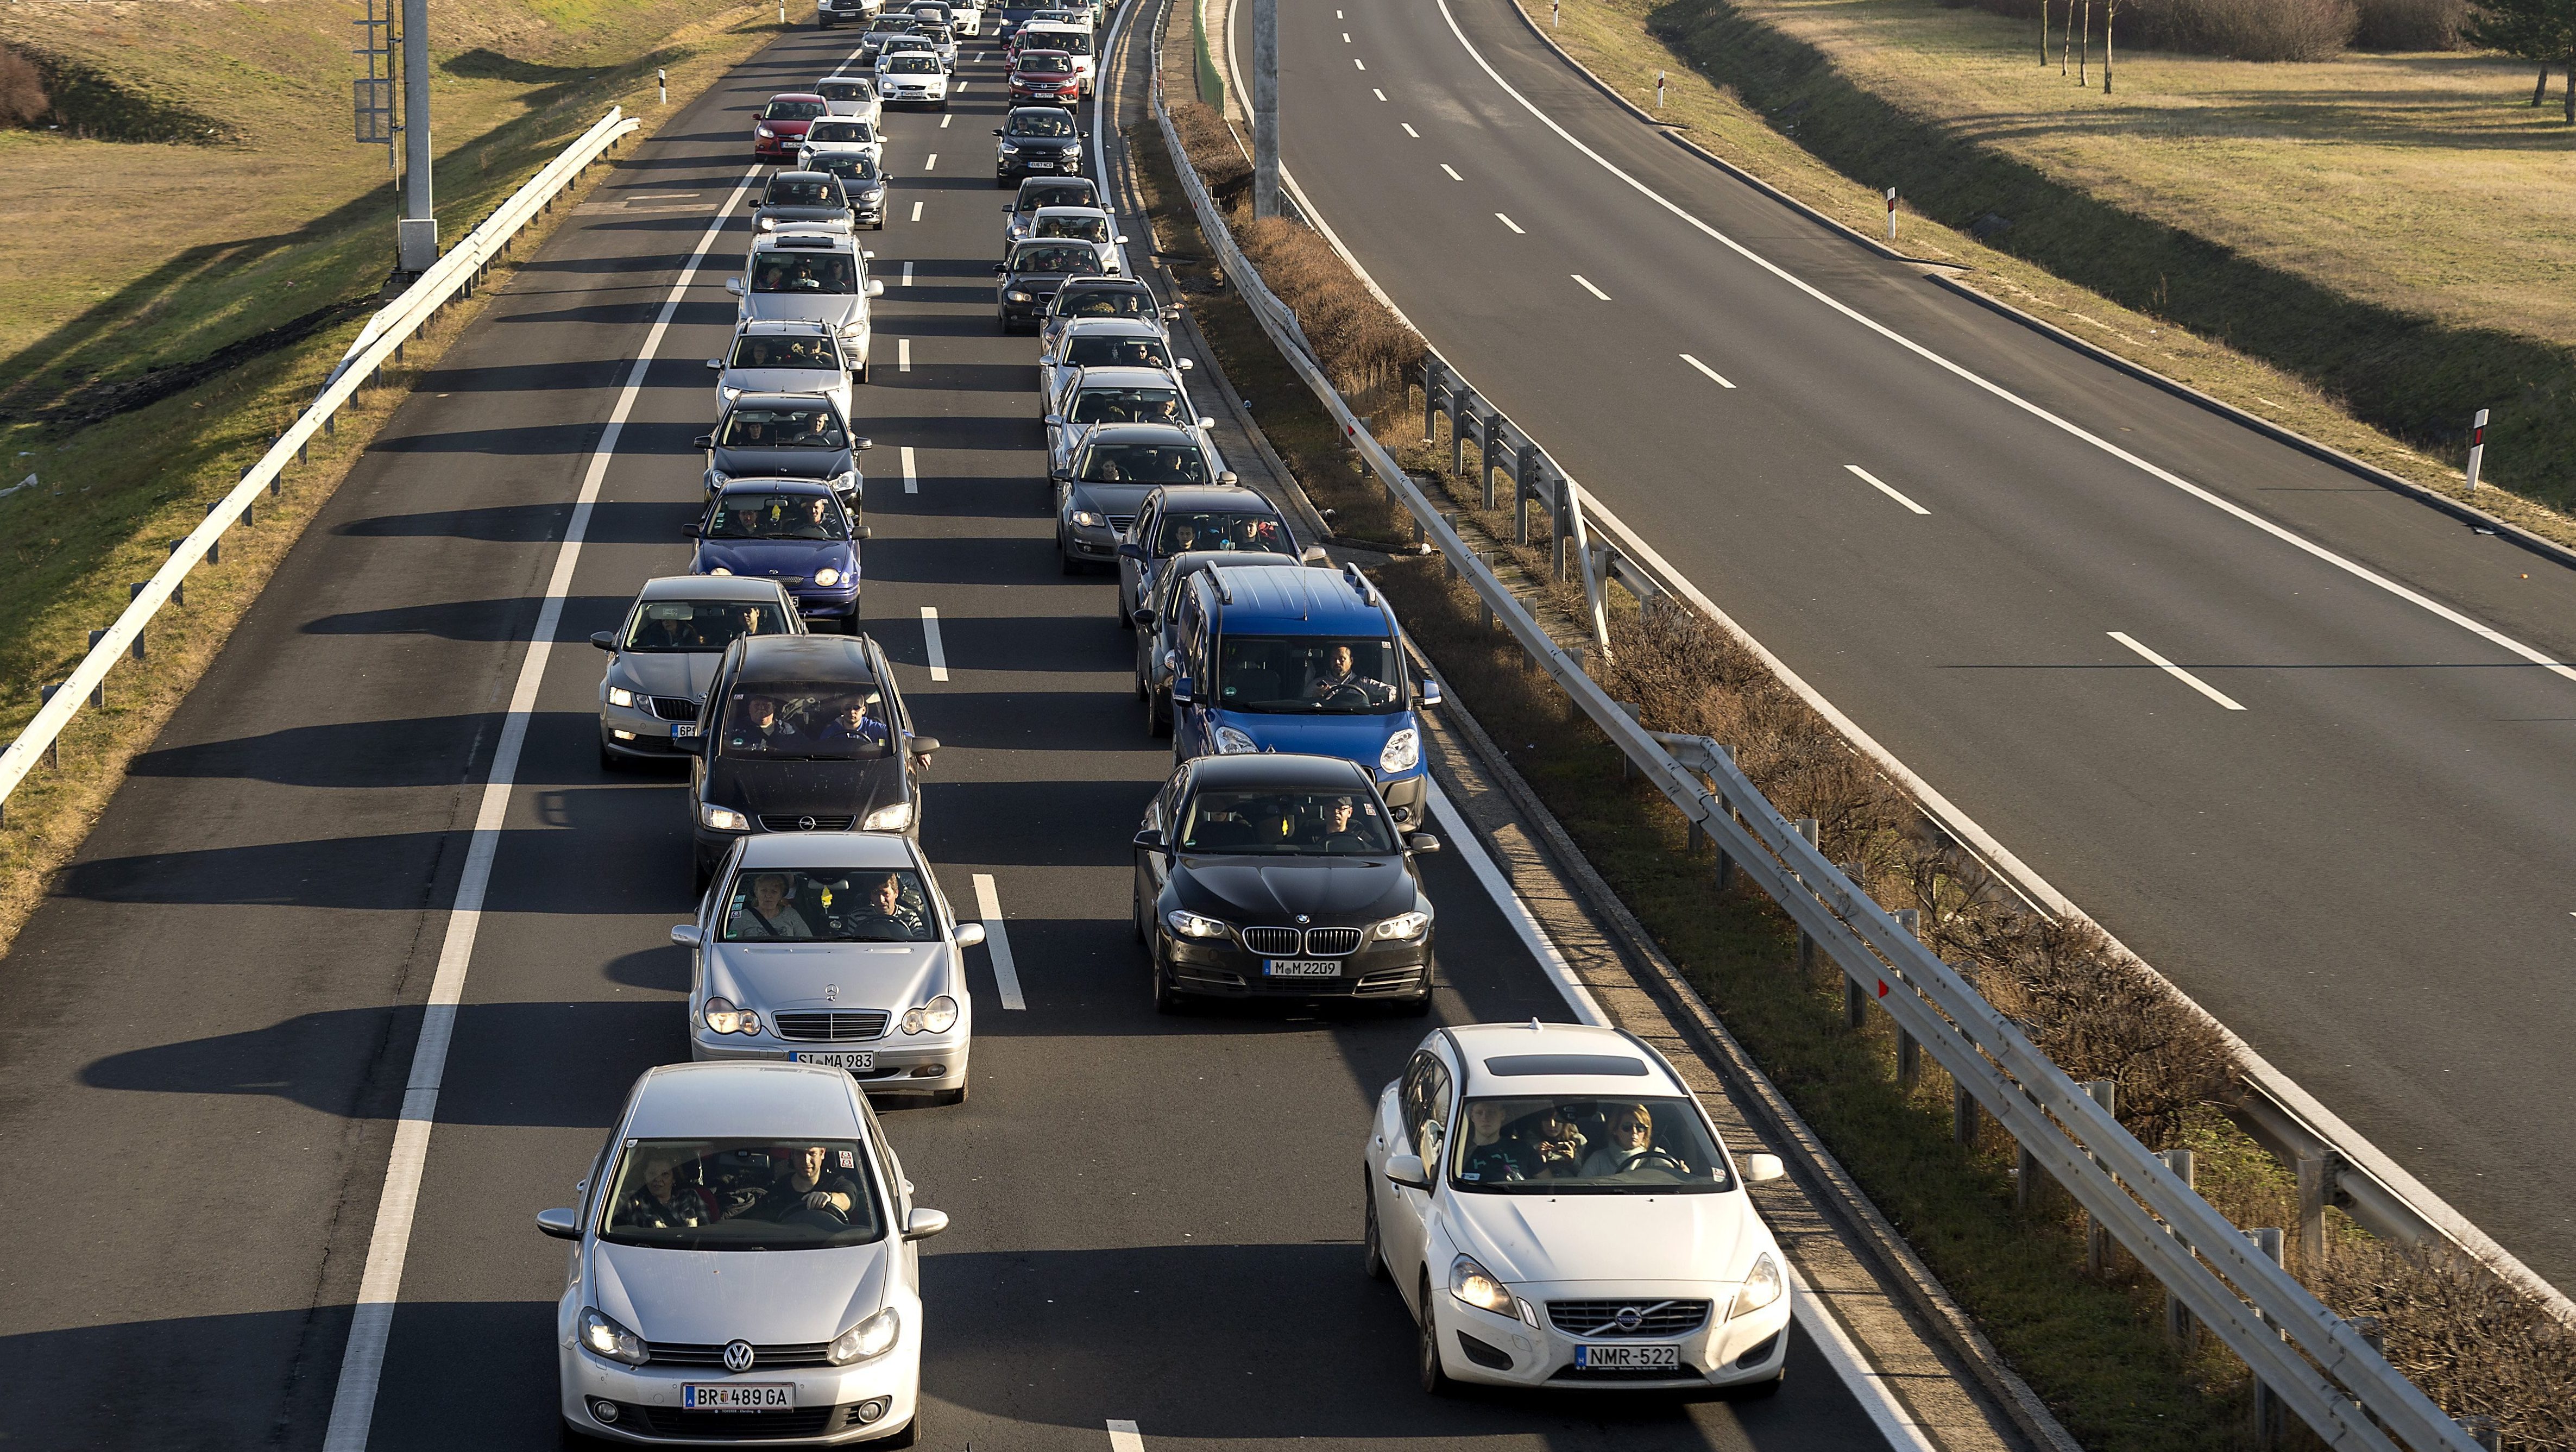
(1659, 91)
(2477, 448)
(1555, 14)
(1891, 214)
(662, 83)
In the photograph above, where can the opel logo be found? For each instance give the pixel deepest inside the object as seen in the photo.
(738, 1353)
(1628, 1319)
(804, 824)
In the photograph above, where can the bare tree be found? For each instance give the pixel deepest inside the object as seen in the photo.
(2043, 43)
(2110, 13)
(2084, 47)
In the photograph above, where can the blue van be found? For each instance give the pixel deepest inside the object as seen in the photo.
(1300, 660)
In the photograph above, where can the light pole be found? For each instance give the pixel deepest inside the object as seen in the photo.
(418, 229)
(1265, 108)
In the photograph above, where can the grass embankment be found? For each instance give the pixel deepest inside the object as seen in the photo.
(2367, 250)
(213, 276)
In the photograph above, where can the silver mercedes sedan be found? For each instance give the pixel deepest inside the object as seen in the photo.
(664, 654)
(743, 1266)
(836, 949)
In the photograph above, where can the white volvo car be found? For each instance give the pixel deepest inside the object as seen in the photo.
(743, 1266)
(1558, 1211)
(835, 949)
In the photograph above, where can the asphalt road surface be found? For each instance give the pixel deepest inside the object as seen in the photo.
(214, 1018)
(2346, 834)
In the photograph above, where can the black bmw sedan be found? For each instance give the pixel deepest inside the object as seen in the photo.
(1274, 876)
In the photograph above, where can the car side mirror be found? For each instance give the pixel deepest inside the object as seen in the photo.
(1185, 690)
(561, 1224)
(1407, 1170)
(1000, 269)
(716, 363)
(1150, 840)
(1082, 136)
(734, 285)
(703, 441)
(998, 131)
(1145, 617)
(922, 1224)
(1314, 555)
(862, 531)
(867, 256)
(1122, 239)
(688, 531)
(1046, 360)
(604, 641)
(1185, 365)
(924, 745)
(875, 288)
(1422, 842)
(1206, 422)
(685, 934)
(1429, 695)
(1055, 420)
(751, 204)
(969, 935)
(1129, 549)
(1761, 1168)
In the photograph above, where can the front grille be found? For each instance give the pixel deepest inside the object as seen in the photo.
(734, 1426)
(763, 1358)
(821, 1026)
(1120, 522)
(789, 579)
(1271, 942)
(674, 708)
(1332, 942)
(1597, 1320)
(1314, 942)
(816, 823)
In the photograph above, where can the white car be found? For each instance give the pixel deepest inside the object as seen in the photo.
(1111, 394)
(1074, 40)
(782, 357)
(744, 1265)
(828, 13)
(833, 948)
(1558, 1211)
(1105, 343)
(852, 96)
(966, 17)
(913, 76)
(1084, 224)
(834, 134)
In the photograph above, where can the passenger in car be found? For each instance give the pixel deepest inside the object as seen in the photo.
(1494, 1154)
(851, 727)
(766, 912)
(661, 1202)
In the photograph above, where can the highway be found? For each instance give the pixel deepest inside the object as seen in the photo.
(382, 808)
(2299, 742)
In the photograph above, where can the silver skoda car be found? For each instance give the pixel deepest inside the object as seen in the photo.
(661, 657)
(835, 949)
(743, 1266)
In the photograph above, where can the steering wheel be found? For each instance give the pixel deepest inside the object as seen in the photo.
(1345, 694)
(1658, 1152)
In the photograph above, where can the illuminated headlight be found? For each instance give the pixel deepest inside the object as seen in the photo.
(1230, 742)
(764, 131)
(723, 819)
(937, 1016)
(719, 570)
(724, 1018)
(1476, 1286)
(870, 1338)
(827, 576)
(1403, 751)
(888, 819)
(769, 224)
(728, 394)
(1090, 518)
(620, 696)
(1016, 295)
(1191, 925)
(1009, 150)
(1762, 1285)
(604, 1336)
(1404, 925)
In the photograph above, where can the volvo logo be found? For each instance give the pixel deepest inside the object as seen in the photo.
(1629, 1319)
(738, 1353)
(804, 824)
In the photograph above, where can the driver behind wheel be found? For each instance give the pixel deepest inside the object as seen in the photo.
(809, 1184)
(884, 915)
(1628, 1140)
(1339, 676)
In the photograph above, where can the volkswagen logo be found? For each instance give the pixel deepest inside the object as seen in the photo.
(804, 824)
(1629, 1319)
(738, 1353)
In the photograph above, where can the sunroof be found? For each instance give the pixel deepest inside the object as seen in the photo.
(1522, 1066)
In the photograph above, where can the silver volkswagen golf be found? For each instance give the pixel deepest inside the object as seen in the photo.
(743, 1266)
(835, 949)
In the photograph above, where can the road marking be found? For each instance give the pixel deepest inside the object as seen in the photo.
(1881, 485)
(1409, 131)
(1588, 287)
(1355, 60)
(1123, 1436)
(903, 355)
(997, 941)
(944, 119)
(961, 85)
(1453, 172)
(1717, 377)
(930, 640)
(1346, 35)
(362, 1363)
(911, 483)
(916, 211)
(1508, 222)
(907, 274)
(2354, 568)
(2177, 672)
(932, 164)
(1374, 91)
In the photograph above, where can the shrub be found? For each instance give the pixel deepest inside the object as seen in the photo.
(2257, 30)
(2411, 24)
(23, 101)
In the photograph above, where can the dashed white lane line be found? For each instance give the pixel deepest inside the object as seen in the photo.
(2177, 672)
(1586, 284)
(1409, 131)
(1123, 1436)
(916, 211)
(1453, 172)
(1374, 91)
(931, 164)
(961, 85)
(911, 482)
(997, 941)
(1714, 376)
(1883, 487)
(362, 1361)
(1508, 222)
(930, 643)
(903, 355)
(907, 274)
(1346, 35)
(944, 119)
(1355, 60)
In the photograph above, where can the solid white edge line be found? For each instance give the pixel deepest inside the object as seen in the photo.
(1517, 913)
(911, 481)
(362, 1360)
(1123, 1436)
(997, 942)
(930, 642)
(1508, 222)
(903, 355)
(1883, 487)
(2354, 568)
(2177, 672)
(1588, 287)
(1713, 375)
(1885, 1411)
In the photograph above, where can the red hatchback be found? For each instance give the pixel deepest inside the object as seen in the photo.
(783, 124)
(1044, 77)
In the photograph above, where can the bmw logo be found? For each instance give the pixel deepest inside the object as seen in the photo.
(738, 1354)
(1302, 920)
(1629, 1319)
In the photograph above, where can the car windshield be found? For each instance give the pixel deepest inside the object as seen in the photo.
(1034, 195)
(1046, 63)
(750, 515)
(1071, 42)
(800, 192)
(1104, 302)
(808, 352)
(1040, 123)
(1285, 824)
(817, 271)
(828, 905)
(1115, 351)
(818, 722)
(791, 111)
(854, 168)
(851, 88)
(911, 64)
(782, 428)
(685, 625)
(937, 33)
(1076, 226)
(742, 1194)
(1126, 405)
(1142, 464)
(1584, 1144)
(838, 132)
(1306, 675)
(1184, 530)
(1055, 257)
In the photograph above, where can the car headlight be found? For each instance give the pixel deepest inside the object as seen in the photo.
(1762, 1285)
(937, 1016)
(1009, 150)
(724, 1018)
(870, 1338)
(1476, 1286)
(854, 327)
(872, 194)
(1191, 925)
(620, 696)
(719, 570)
(1230, 742)
(1016, 295)
(728, 394)
(763, 131)
(888, 819)
(723, 819)
(1089, 517)
(604, 1336)
(827, 576)
(1404, 925)
(1403, 751)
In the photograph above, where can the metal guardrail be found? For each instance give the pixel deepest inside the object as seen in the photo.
(2318, 1364)
(379, 342)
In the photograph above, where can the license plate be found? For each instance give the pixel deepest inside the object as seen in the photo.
(684, 730)
(1302, 967)
(738, 1397)
(848, 1059)
(1628, 1358)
